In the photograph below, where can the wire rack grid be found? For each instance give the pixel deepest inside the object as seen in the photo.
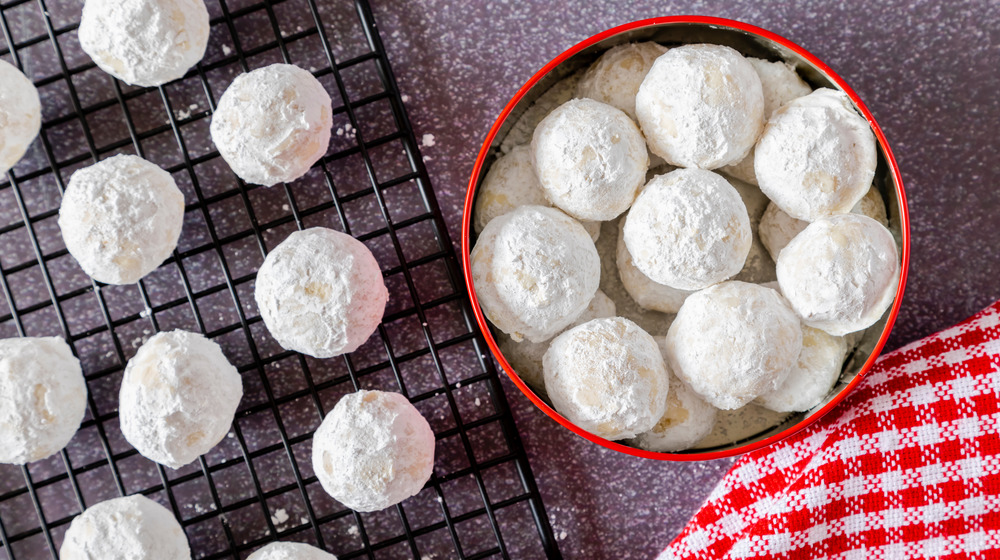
(257, 485)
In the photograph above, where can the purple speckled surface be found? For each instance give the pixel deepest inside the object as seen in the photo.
(928, 72)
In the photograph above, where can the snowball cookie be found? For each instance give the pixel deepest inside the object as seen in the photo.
(812, 377)
(526, 356)
(511, 183)
(840, 273)
(590, 159)
(290, 551)
(816, 156)
(20, 115)
(43, 396)
(125, 529)
(608, 377)
(733, 342)
(373, 450)
(535, 270)
(321, 293)
(645, 292)
(614, 78)
(688, 229)
(701, 106)
(273, 124)
(120, 218)
(780, 84)
(144, 42)
(778, 228)
(687, 420)
(178, 397)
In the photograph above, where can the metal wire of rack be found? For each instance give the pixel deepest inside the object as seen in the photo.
(257, 485)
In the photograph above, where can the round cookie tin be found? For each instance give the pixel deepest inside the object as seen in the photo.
(750, 41)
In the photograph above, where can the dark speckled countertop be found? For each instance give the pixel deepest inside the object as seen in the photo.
(929, 71)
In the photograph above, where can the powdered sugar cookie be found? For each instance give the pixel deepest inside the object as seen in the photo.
(688, 229)
(20, 113)
(816, 157)
(813, 375)
(321, 292)
(607, 376)
(273, 124)
(535, 270)
(614, 78)
(373, 450)
(840, 274)
(701, 106)
(590, 159)
(733, 342)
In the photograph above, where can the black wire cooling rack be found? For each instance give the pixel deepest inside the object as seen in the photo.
(257, 485)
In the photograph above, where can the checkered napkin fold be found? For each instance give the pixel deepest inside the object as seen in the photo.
(907, 466)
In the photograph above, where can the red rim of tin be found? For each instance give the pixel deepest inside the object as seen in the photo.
(470, 196)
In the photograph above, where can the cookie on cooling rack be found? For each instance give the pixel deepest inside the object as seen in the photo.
(273, 124)
(178, 397)
(20, 113)
(321, 293)
(373, 450)
(44, 398)
(145, 42)
(120, 218)
(125, 529)
(290, 551)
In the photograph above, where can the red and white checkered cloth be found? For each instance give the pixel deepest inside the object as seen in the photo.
(907, 466)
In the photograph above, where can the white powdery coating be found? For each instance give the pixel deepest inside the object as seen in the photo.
(590, 159)
(873, 206)
(701, 106)
(688, 229)
(43, 398)
(840, 274)
(686, 421)
(273, 124)
(535, 270)
(120, 218)
(816, 156)
(780, 84)
(321, 293)
(608, 377)
(647, 293)
(734, 342)
(373, 450)
(813, 376)
(178, 397)
(144, 42)
(125, 529)
(777, 228)
(20, 115)
(511, 183)
(759, 267)
(526, 356)
(615, 77)
(290, 551)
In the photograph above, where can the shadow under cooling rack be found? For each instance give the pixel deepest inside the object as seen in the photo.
(257, 485)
